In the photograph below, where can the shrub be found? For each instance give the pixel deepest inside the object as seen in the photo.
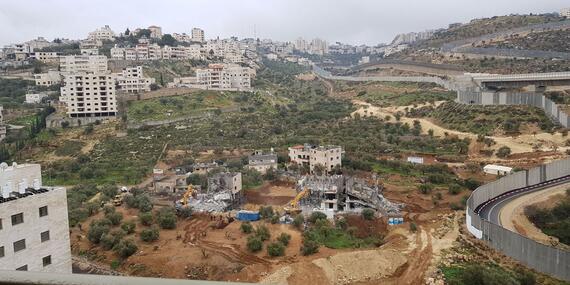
(254, 243)
(149, 235)
(298, 221)
(266, 212)
(276, 249)
(108, 210)
(503, 152)
(166, 218)
(342, 224)
(425, 188)
(413, 227)
(263, 233)
(97, 229)
(126, 248)
(368, 214)
(115, 218)
(128, 227)
(275, 219)
(185, 212)
(315, 216)
(246, 228)
(284, 238)
(309, 247)
(109, 240)
(146, 218)
(454, 189)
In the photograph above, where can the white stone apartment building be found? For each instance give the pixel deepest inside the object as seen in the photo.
(47, 57)
(198, 35)
(262, 162)
(83, 63)
(131, 80)
(89, 51)
(89, 95)
(34, 228)
(155, 32)
(565, 12)
(35, 98)
(102, 34)
(225, 77)
(52, 77)
(3, 129)
(328, 156)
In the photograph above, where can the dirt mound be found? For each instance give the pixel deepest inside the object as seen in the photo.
(365, 228)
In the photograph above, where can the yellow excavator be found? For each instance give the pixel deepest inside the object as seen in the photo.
(293, 206)
(187, 195)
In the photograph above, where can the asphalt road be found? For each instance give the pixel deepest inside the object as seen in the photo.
(492, 209)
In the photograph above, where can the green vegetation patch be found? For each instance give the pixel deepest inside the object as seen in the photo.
(485, 120)
(553, 222)
(70, 148)
(179, 106)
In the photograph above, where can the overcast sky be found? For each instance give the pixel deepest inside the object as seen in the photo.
(349, 21)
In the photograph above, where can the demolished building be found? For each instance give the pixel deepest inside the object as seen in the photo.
(223, 193)
(341, 193)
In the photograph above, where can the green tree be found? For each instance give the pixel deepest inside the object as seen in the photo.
(126, 248)
(149, 235)
(146, 218)
(246, 228)
(128, 227)
(276, 249)
(166, 218)
(254, 243)
(284, 238)
(368, 214)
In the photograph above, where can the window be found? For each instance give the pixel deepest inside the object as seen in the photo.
(22, 268)
(1, 251)
(19, 245)
(46, 260)
(0, 224)
(45, 236)
(17, 219)
(43, 211)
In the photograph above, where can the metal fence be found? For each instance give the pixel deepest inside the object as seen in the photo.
(540, 257)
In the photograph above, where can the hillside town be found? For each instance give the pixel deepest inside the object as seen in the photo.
(151, 154)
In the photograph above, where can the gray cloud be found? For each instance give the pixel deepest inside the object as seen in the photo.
(356, 21)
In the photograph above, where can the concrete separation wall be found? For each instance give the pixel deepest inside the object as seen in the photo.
(544, 258)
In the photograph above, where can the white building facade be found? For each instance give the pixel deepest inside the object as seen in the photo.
(198, 35)
(224, 77)
(328, 156)
(34, 231)
(89, 95)
(131, 80)
(83, 63)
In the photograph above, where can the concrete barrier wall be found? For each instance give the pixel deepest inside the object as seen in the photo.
(544, 258)
(504, 98)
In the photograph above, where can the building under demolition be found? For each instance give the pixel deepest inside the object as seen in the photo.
(223, 192)
(341, 193)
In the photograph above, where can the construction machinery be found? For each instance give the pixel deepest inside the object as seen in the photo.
(179, 204)
(293, 206)
(118, 200)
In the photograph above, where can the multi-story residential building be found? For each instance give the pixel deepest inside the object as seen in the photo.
(225, 77)
(118, 52)
(328, 156)
(262, 162)
(155, 32)
(102, 34)
(131, 80)
(183, 38)
(52, 77)
(565, 12)
(83, 63)
(35, 98)
(34, 228)
(2, 125)
(198, 35)
(39, 43)
(301, 44)
(44, 56)
(319, 47)
(226, 182)
(89, 95)
(89, 51)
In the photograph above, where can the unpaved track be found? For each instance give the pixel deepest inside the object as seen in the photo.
(512, 215)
